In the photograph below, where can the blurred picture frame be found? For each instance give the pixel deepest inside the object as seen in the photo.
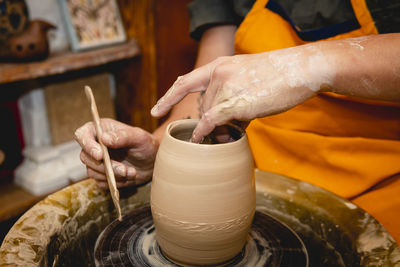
(92, 23)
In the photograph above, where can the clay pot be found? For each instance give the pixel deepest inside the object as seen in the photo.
(202, 196)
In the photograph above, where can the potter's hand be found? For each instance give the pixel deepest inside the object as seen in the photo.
(245, 87)
(132, 151)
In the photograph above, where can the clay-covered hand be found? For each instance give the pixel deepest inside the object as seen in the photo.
(132, 151)
(244, 87)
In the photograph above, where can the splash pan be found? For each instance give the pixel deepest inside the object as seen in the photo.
(296, 224)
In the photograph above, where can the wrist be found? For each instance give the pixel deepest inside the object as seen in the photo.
(321, 68)
(306, 67)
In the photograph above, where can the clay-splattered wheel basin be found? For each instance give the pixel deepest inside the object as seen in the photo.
(62, 229)
(132, 242)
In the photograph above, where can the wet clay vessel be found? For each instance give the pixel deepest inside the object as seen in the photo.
(202, 196)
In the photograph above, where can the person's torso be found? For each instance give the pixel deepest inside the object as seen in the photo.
(346, 136)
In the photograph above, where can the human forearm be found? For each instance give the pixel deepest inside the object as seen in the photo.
(367, 67)
(245, 87)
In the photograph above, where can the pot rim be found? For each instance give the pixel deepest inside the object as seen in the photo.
(173, 124)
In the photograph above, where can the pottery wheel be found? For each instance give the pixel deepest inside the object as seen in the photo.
(132, 243)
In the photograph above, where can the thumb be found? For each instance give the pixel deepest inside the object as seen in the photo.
(125, 138)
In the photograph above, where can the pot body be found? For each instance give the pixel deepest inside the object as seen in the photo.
(202, 197)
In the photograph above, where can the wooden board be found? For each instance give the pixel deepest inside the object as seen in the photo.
(68, 107)
(67, 61)
(15, 201)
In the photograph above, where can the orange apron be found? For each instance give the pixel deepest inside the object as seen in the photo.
(348, 146)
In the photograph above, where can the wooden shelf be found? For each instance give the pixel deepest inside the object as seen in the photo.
(69, 61)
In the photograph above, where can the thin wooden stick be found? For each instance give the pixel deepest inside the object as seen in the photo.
(107, 161)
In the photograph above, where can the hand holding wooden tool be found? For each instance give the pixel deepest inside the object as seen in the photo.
(107, 161)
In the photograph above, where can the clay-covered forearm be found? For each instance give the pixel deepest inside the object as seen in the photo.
(215, 42)
(367, 67)
(245, 87)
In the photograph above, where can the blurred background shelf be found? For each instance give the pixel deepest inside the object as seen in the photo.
(158, 50)
(65, 62)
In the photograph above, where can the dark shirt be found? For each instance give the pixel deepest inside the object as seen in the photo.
(305, 14)
(207, 13)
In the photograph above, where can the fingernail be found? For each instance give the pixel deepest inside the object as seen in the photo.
(121, 170)
(131, 173)
(192, 138)
(95, 152)
(154, 110)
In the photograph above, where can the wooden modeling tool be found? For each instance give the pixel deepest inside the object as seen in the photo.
(107, 161)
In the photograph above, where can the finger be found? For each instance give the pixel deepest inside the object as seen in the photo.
(90, 162)
(102, 184)
(126, 183)
(209, 96)
(195, 81)
(203, 128)
(86, 137)
(143, 176)
(129, 137)
(216, 116)
(105, 186)
(120, 170)
(222, 134)
(101, 177)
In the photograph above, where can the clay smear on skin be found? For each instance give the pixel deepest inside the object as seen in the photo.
(369, 85)
(318, 63)
(290, 63)
(167, 95)
(356, 42)
(396, 72)
(79, 134)
(254, 79)
(235, 105)
(230, 89)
